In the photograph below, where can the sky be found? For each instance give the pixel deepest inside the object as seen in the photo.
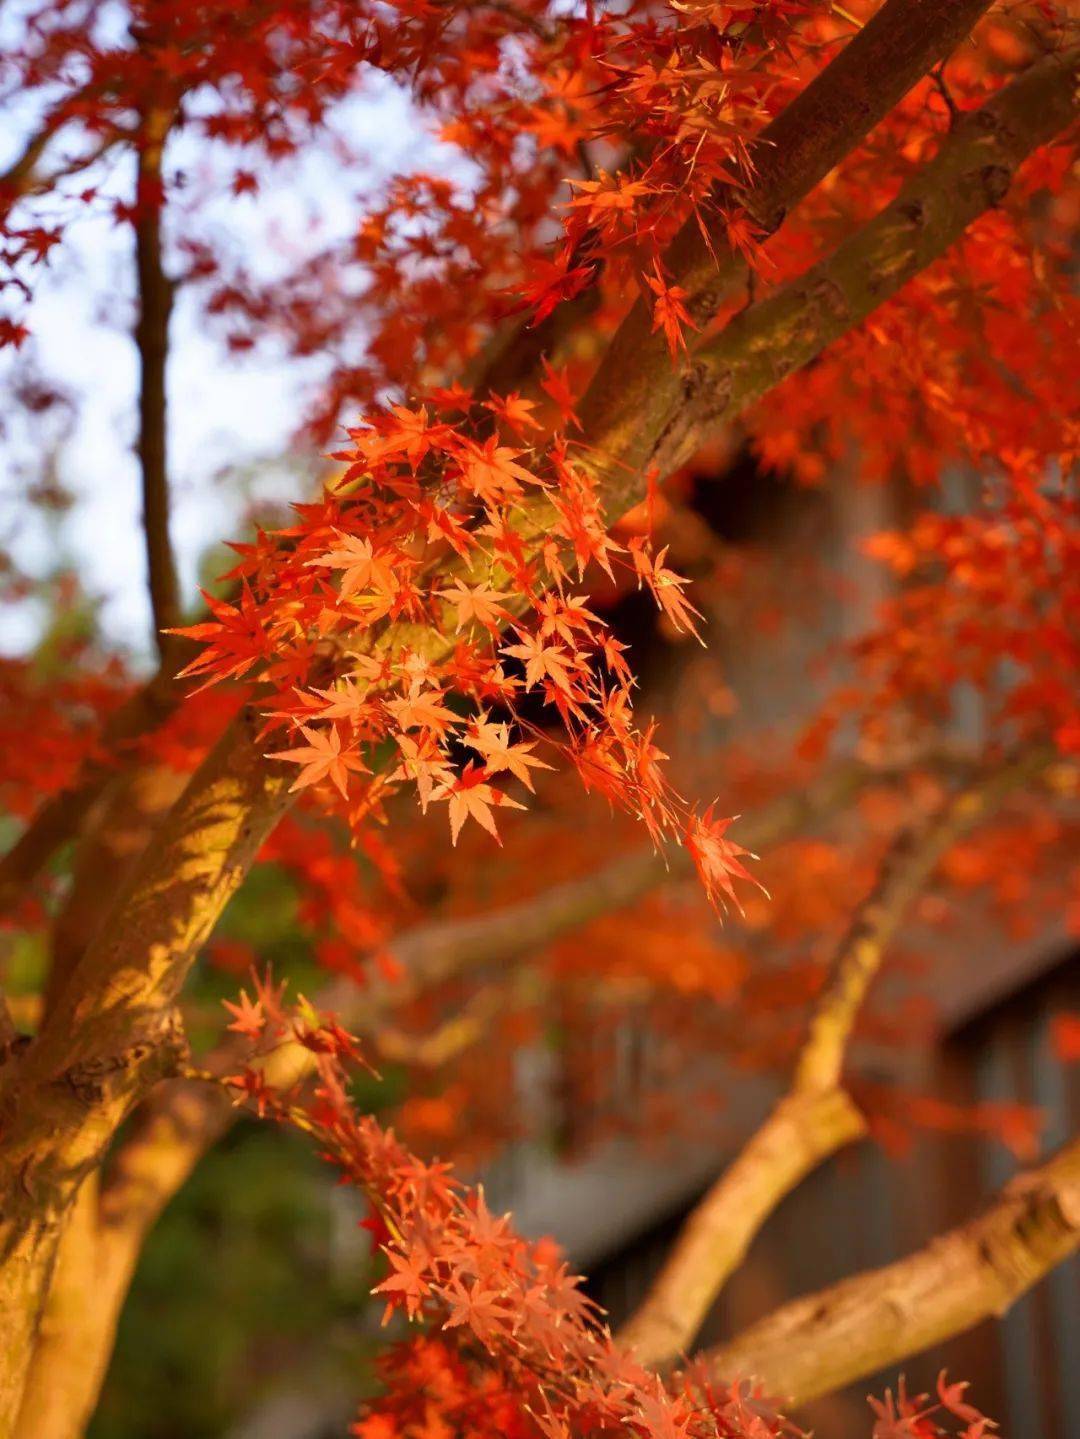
(223, 411)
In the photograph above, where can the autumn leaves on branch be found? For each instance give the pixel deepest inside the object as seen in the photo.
(110, 1038)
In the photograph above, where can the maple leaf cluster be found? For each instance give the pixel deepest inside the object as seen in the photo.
(987, 602)
(44, 757)
(917, 1416)
(394, 591)
(510, 1344)
(928, 385)
(515, 1345)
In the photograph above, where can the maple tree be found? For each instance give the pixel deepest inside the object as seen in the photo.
(841, 239)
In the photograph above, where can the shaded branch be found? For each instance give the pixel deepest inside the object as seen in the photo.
(8, 1032)
(816, 1117)
(826, 1340)
(21, 176)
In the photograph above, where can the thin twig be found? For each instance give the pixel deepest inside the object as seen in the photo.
(152, 340)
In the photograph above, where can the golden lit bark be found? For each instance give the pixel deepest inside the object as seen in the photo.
(113, 1031)
(826, 1340)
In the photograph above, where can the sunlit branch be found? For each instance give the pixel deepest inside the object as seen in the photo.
(816, 1117)
(901, 42)
(110, 842)
(775, 337)
(182, 1118)
(78, 1300)
(875, 1319)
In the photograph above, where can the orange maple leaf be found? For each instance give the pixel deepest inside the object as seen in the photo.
(471, 797)
(477, 602)
(499, 753)
(669, 312)
(542, 661)
(322, 758)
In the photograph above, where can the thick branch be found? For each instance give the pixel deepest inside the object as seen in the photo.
(182, 1118)
(99, 1250)
(766, 343)
(636, 386)
(111, 1033)
(152, 340)
(116, 833)
(826, 1340)
(816, 1117)
(54, 1391)
(803, 1129)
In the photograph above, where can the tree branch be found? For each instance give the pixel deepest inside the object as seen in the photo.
(826, 1340)
(636, 385)
(112, 1032)
(100, 1248)
(441, 949)
(54, 1391)
(770, 340)
(816, 1117)
(900, 44)
(112, 840)
(907, 871)
(8, 1032)
(21, 176)
(182, 1118)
